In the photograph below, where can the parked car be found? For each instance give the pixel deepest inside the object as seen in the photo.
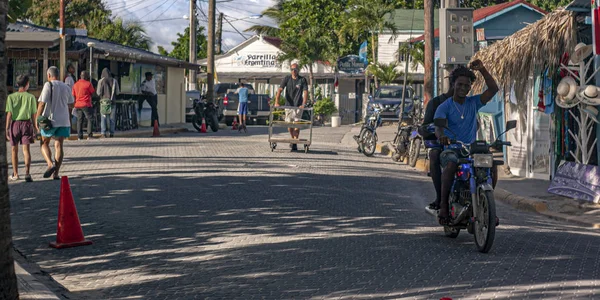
(258, 106)
(388, 99)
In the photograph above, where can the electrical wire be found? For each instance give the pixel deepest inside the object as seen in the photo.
(174, 1)
(165, 2)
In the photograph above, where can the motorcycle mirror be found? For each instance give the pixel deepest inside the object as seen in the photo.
(512, 124)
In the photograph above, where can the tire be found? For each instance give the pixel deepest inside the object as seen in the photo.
(195, 122)
(414, 151)
(214, 124)
(485, 221)
(451, 232)
(228, 121)
(369, 142)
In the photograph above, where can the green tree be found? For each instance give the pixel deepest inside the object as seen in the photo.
(17, 9)
(181, 46)
(131, 34)
(371, 16)
(274, 12)
(8, 279)
(46, 12)
(387, 73)
(416, 51)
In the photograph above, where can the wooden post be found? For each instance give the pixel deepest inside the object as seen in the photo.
(210, 66)
(45, 65)
(219, 33)
(429, 53)
(192, 54)
(63, 42)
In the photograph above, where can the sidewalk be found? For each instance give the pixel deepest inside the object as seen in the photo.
(144, 131)
(30, 288)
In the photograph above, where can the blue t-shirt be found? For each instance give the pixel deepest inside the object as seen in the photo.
(465, 128)
(243, 92)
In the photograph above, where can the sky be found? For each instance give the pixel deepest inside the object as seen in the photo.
(152, 14)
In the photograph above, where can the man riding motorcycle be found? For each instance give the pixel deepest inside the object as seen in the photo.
(435, 170)
(461, 113)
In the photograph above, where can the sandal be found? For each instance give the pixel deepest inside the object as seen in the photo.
(49, 172)
(15, 178)
(434, 206)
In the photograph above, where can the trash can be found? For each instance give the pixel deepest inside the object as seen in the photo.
(336, 121)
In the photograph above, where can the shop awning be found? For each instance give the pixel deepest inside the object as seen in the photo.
(32, 39)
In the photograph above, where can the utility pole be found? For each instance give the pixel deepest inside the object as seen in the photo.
(210, 66)
(192, 72)
(219, 33)
(429, 53)
(63, 42)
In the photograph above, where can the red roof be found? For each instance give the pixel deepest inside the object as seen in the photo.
(273, 41)
(482, 13)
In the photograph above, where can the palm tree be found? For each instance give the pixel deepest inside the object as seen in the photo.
(371, 16)
(274, 12)
(387, 73)
(416, 51)
(8, 279)
(17, 9)
(132, 34)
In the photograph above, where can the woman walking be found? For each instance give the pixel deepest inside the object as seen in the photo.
(108, 89)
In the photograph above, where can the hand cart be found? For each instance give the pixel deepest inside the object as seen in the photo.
(301, 124)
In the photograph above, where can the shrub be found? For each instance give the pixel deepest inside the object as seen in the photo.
(325, 107)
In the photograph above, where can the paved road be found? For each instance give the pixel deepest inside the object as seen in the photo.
(219, 216)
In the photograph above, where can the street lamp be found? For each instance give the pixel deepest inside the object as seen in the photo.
(250, 17)
(91, 46)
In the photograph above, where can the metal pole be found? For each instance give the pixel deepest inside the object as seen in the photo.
(429, 53)
(210, 66)
(192, 72)
(406, 62)
(63, 44)
(91, 65)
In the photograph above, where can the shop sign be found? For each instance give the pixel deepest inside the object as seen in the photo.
(577, 181)
(480, 34)
(351, 64)
(257, 60)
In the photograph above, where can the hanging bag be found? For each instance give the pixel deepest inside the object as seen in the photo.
(105, 103)
(44, 122)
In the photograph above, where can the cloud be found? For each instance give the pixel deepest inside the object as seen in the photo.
(164, 32)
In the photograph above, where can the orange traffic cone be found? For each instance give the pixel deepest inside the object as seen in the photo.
(203, 127)
(156, 132)
(234, 126)
(68, 230)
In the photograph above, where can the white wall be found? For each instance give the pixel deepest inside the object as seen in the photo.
(387, 50)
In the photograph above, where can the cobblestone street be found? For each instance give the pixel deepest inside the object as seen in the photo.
(220, 216)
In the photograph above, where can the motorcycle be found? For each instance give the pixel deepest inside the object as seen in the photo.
(367, 138)
(408, 141)
(206, 110)
(471, 201)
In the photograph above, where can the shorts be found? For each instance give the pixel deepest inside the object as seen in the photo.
(293, 115)
(21, 132)
(243, 108)
(57, 132)
(448, 156)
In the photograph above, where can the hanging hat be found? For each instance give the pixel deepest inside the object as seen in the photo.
(567, 90)
(589, 95)
(582, 51)
(592, 112)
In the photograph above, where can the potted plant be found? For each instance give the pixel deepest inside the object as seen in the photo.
(323, 109)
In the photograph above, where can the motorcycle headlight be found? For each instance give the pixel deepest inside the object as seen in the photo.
(483, 160)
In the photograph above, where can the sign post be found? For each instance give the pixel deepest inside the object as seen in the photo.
(351, 64)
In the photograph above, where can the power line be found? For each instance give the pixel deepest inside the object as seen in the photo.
(155, 3)
(165, 2)
(174, 1)
(232, 25)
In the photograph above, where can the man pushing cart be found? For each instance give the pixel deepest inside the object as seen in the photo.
(296, 95)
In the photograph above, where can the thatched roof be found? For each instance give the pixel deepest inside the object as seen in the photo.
(539, 45)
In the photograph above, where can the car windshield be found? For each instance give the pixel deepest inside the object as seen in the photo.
(391, 92)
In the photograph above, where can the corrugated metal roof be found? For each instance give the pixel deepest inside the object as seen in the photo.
(580, 6)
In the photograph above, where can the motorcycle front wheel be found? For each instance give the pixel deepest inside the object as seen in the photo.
(414, 151)
(485, 221)
(214, 124)
(368, 142)
(195, 122)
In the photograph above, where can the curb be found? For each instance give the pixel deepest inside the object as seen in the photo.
(142, 133)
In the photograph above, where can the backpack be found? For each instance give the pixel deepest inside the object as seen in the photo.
(105, 103)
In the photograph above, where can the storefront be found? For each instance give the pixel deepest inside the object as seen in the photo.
(127, 64)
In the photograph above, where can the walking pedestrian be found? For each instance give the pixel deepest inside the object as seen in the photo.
(53, 120)
(149, 91)
(20, 116)
(296, 94)
(108, 89)
(70, 77)
(242, 91)
(83, 91)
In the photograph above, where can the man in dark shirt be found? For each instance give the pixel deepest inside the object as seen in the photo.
(435, 168)
(296, 94)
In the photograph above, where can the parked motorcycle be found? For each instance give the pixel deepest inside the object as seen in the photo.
(471, 200)
(407, 143)
(367, 138)
(206, 110)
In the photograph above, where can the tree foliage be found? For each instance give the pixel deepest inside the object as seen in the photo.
(547, 5)
(416, 51)
(129, 33)
(17, 9)
(181, 46)
(47, 13)
(274, 12)
(387, 73)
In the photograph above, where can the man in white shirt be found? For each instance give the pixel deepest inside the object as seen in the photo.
(54, 104)
(70, 78)
(149, 94)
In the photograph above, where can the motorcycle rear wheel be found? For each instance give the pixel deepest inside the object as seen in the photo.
(485, 221)
(414, 151)
(368, 142)
(214, 124)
